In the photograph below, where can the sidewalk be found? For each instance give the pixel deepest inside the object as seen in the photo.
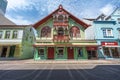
(32, 61)
(73, 62)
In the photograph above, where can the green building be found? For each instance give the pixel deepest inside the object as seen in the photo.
(61, 36)
(16, 41)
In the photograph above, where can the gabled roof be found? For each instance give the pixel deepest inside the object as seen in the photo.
(112, 13)
(70, 15)
(101, 16)
(5, 21)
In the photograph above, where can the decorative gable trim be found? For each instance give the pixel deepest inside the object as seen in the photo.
(51, 15)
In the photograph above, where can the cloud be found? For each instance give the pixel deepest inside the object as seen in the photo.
(19, 20)
(21, 4)
(107, 9)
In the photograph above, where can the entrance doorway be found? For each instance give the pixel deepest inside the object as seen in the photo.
(70, 51)
(92, 54)
(50, 52)
(4, 52)
(115, 52)
(12, 50)
(111, 52)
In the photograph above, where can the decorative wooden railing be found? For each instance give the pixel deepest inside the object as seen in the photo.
(59, 38)
(56, 23)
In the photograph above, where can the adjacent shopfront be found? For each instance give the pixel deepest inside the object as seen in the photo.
(111, 49)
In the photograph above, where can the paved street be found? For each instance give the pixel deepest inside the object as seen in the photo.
(64, 71)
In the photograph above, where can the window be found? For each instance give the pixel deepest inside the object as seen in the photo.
(80, 53)
(15, 33)
(60, 31)
(60, 18)
(1, 33)
(75, 32)
(107, 33)
(119, 33)
(118, 20)
(46, 31)
(60, 52)
(41, 52)
(7, 34)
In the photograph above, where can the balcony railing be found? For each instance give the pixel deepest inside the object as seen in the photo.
(59, 38)
(56, 23)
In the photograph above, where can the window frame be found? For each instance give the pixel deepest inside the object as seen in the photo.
(1, 34)
(107, 34)
(15, 36)
(41, 54)
(7, 36)
(72, 33)
(45, 32)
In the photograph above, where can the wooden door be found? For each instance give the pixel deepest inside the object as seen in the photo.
(50, 52)
(70, 53)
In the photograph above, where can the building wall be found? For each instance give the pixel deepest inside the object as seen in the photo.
(23, 42)
(27, 43)
(74, 23)
(89, 33)
(50, 24)
(99, 26)
(98, 29)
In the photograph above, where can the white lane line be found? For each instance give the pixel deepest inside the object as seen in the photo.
(114, 69)
(92, 75)
(10, 70)
(110, 70)
(40, 72)
(70, 73)
(7, 70)
(49, 73)
(83, 76)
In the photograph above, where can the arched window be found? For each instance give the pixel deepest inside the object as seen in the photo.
(60, 18)
(74, 32)
(46, 31)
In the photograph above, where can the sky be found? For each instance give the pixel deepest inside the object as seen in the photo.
(24, 12)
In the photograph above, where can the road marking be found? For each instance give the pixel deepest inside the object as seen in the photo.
(84, 77)
(92, 75)
(7, 70)
(15, 67)
(111, 71)
(49, 73)
(70, 73)
(40, 72)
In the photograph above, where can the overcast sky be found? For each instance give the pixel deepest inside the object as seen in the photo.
(30, 11)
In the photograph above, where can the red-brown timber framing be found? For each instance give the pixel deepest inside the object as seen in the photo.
(70, 15)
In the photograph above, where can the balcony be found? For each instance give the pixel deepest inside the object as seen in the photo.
(59, 38)
(57, 23)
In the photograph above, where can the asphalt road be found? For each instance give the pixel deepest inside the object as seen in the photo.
(59, 72)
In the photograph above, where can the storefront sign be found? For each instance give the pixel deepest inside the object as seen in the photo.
(109, 43)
